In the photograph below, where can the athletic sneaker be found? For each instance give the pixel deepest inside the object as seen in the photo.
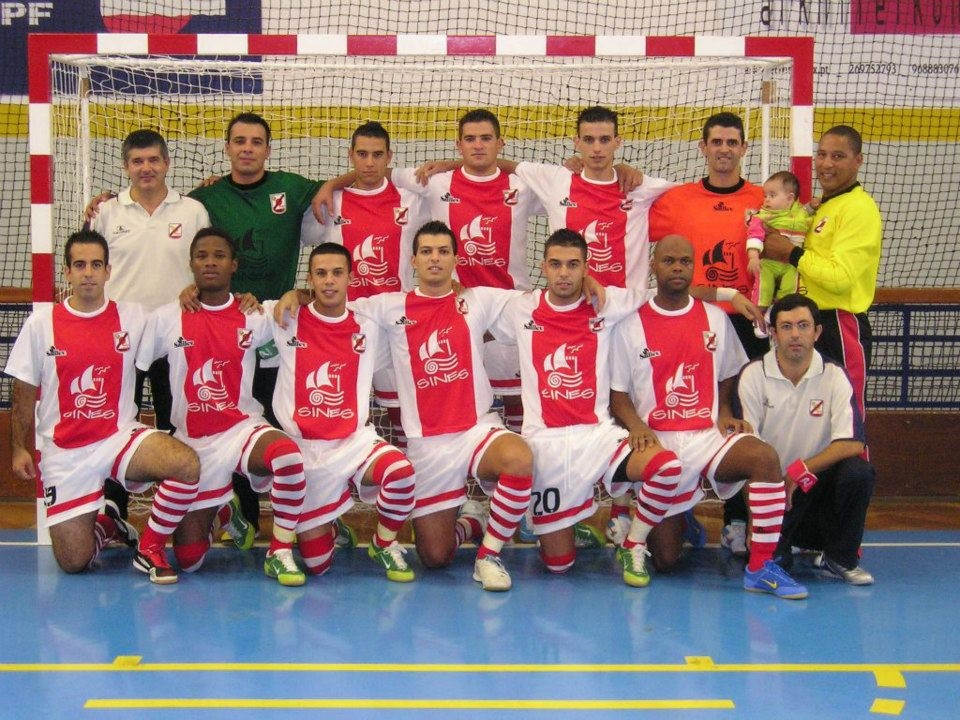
(490, 572)
(773, 579)
(126, 533)
(694, 533)
(238, 528)
(153, 562)
(617, 529)
(586, 535)
(733, 537)
(344, 535)
(391, 558)
(851, 576)
(634, 563)
(283, 567)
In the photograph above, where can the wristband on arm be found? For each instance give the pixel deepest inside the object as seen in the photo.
(801, 475)
(725, 294)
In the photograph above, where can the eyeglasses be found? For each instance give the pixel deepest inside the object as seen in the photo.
(802, 326)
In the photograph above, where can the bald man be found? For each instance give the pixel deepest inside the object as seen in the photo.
(674, 366)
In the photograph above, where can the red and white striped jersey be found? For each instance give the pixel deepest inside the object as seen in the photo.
(436, 348)
(489, 217)
(326, 371)
(671, 361)
(212, 355)
(564, 355)
(84, 365)
(613, 223)
(377, 227)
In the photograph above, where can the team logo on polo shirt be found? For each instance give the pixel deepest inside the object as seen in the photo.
(121, 341)
(511, 197)
(401, 215)
(462, 306)
(820, 225)
(244, 338)
(816, 408)
(278, 203)
(710, 341)
(597, 324)
(175, 231)
(359, 343)
(626, 205)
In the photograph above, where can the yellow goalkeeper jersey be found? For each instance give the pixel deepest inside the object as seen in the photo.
(841, 255)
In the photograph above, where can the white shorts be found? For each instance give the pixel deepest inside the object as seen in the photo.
(444, 462)
(223, 454)
(73, 478)
(502, 363)
(331, 467)
(385, 388)
(700, 452)
(567, 464)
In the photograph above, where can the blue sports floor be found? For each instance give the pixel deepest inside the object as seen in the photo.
(229, 643)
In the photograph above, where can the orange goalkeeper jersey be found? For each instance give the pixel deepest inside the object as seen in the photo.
(714, 221)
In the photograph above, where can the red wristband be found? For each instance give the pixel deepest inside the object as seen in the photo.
(801, 475)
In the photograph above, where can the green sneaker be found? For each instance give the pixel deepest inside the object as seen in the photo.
(634, 563)
(240, 531)
(587, 536)
(391, 558)
(343, 535)
(283, 567)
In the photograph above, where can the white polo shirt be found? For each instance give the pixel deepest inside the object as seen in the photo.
(149, 254)
(800, 420)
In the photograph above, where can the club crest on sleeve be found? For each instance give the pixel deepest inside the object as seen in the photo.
(710, 340)
(626, 205)
(401, 215)
(820, 225)
(511, 196)
(462, 306)
(244, 338)
(359, 343)
(278, 203)
(597, 324)
(121, 341)
(816, 408)
(175, 230)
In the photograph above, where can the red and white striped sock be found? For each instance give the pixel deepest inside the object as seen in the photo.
(507, 506)
(171, 502)
(657, 493)
(767, 503)
(285, 463)
(317, 553)
(394, 474)
(558, 564)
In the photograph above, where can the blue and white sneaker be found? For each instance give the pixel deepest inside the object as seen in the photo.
(773, 579)
(525, 529)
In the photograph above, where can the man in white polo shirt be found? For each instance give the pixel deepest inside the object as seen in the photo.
(148, 228)
(805, 406)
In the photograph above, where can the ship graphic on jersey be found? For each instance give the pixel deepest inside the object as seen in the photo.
(371, 266)
(563, 375)
(87, 388)
(208, 379)
(324, 384)
(436, 354)
(681, 390)
(476, 239)
(599, 251)
(719, 263)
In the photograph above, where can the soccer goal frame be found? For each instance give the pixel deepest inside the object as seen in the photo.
(43, 49)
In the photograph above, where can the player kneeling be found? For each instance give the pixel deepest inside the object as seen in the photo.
(80, 353)
(328, 356)
(212, 353)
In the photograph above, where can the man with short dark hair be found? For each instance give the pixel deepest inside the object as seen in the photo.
(804, 405)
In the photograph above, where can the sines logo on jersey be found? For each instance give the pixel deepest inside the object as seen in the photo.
(440, 361)
(90, 395)
(477, 243)
(371, 264)
(563, 375)
(210, 389)
(599, 251)
(681, 396)
(326, 393)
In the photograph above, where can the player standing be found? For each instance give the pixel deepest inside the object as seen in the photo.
(212, 356)
(80, 353)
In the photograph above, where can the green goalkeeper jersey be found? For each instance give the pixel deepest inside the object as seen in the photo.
(264, 219)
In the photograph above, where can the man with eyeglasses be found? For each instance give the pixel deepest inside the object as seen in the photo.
(805, 407)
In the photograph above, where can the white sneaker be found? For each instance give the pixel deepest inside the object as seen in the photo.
(617, 529)
(491, 573)
(733, 537)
